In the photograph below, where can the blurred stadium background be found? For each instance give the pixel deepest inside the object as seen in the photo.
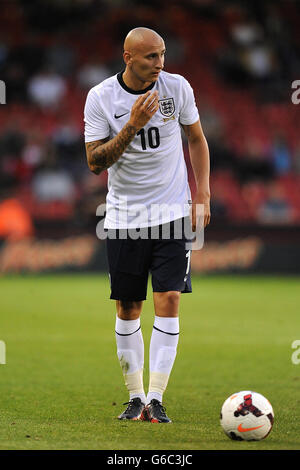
(241, 59)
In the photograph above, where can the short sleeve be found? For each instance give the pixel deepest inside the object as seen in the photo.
(188, 112)
(96, 126)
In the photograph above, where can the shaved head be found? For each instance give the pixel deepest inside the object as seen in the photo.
(139, 38)
(144, 51)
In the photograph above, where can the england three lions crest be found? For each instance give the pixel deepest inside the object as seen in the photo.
(167, 107)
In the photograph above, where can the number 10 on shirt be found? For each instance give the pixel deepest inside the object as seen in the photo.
(150, 138)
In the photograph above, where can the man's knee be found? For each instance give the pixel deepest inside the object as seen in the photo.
(167, 303)
(172, 297)
(129, 309)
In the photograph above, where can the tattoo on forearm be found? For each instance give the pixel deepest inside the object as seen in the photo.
(105, 155)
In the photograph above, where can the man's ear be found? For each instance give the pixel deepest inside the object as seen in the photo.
(127, 57)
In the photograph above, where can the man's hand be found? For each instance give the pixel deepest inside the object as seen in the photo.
(143, 109)
(103, 154)
(201, 218)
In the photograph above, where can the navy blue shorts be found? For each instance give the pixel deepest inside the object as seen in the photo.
(130, 262)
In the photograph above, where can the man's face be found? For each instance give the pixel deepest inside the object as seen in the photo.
(147, 61)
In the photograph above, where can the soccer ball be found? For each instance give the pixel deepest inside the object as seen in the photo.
(247, 416)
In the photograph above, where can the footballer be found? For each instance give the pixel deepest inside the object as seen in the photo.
(133, 123)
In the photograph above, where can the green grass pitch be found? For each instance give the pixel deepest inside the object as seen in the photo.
(61, 386)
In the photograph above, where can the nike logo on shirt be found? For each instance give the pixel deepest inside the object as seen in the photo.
(120, 115)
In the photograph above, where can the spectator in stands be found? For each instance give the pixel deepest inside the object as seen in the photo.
(12, 143)
(51, 183)
(60, 56)
(276, 208)
(219, 208)
(246, 32)
(176, 49)
(296, 159)
(281, 156)
(29, 54)
(94, 190)
(254, 54)
(213, 127)
(211, 121)
(22, 61)
(250, 59)
(46, 89)
(67, 139)
(14, 75)
(281, 35)
(4, 49)
(34, 148)
(15, 221)
(259, 61)
(92, 73)
(254, 164)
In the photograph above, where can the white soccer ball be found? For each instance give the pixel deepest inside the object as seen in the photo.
(247, 416)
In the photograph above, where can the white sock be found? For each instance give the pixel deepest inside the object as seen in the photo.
(163, 348)
(130, 350)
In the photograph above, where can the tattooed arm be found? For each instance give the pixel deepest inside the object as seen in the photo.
(102, 154)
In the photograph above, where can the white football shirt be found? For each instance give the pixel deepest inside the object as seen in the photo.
(148, 185)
